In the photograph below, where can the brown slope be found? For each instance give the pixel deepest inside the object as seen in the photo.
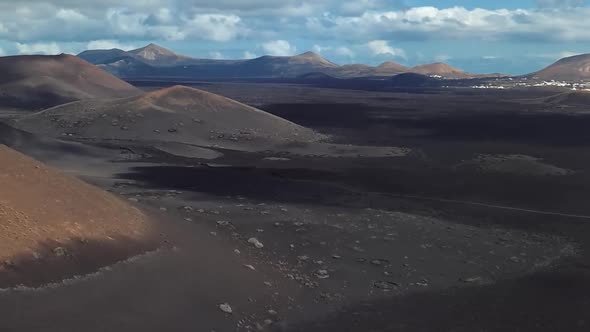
(282, 66)
(176, 114)
(574, 68)
(40, 81)
(42, 209)
(311, 58)
(441, 69)
(158, 56)
(360, 70)
(391, 67)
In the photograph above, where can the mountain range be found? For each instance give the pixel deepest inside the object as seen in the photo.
(156, 61)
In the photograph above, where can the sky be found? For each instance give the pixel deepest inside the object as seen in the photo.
(482, 36)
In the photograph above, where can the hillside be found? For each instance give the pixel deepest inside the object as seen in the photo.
(158, 56)
(40, 81)
(574, 68)
(440, 69)
(391, 68)
(46, 217)
(284, 66)
(176, 114)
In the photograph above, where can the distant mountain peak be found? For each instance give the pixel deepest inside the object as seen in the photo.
(392, 66)
(436, 68)
(312, 57)
(309, 54)
(152, 52)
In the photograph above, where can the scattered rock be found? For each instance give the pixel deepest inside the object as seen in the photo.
(254, 241)
(322, 274)
(223, 223)
(379, 262)
(133, 199)
(272, 312)
(336, 256)
(472, 279)
(60, 251)
(385, 285)
(237, 251)
(9, 264)
(358, 249)
(225, 307)
(250, 267)
(213, 233)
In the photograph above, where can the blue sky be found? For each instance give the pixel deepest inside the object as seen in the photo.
(515, 37)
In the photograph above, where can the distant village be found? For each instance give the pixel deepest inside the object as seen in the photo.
(506, 83)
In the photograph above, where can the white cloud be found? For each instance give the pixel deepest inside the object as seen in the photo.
(126, 23)
(319, 49)
(345, 52)
(442, 58)
(556, 55)
(216, 55)
(423, 23)
(566, 54)
(382, 47)
(38, 48)
(109, 44)
(215, 27)
(333, 22)
(70, 15)
(559, 3)
(279, 48)
(248, 55)
(360, 6)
